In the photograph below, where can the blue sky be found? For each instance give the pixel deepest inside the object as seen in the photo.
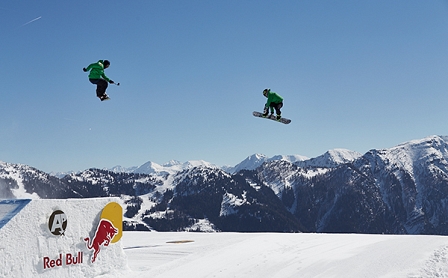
(358, 75)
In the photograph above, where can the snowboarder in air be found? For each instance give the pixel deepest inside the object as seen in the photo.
(274, 101)
(97, 77)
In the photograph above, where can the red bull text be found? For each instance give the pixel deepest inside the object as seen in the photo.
(63, 260)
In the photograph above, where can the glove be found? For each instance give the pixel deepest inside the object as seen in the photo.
(265, 111)
(111, 82)
(84, 69)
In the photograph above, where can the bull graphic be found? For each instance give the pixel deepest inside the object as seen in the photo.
(104, 234)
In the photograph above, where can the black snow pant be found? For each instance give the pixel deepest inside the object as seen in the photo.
(101, 86)
(277, 107)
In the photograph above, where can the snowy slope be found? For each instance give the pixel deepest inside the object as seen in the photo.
(22, 181)
(14, 172)
(284, 255)
(412, 156)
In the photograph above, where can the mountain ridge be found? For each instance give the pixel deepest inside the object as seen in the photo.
(400, 190)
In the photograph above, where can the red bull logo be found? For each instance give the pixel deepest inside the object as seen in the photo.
(104, 234)
(109, 229)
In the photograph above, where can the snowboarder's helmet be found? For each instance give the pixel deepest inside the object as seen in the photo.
(106, 63)
(265, 92)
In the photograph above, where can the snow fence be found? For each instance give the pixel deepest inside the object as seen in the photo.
(61, 238)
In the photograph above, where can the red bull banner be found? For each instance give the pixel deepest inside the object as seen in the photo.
(62, 238)
(109, 230)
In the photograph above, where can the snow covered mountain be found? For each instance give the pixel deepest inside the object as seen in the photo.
(402, 190)
(19, 181)
(174, 166)
(150, 167)
(398, 190)
(330, 159)
(250, 163)
(171, 167)
(256, 160)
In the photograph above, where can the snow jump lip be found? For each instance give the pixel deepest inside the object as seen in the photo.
(10, 208)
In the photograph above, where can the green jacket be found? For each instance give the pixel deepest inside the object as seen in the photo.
(97, 71)
(273, 97)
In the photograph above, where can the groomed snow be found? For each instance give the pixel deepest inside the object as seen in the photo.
(152, 254)
(26, 243)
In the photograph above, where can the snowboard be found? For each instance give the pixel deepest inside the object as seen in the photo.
(272, 117)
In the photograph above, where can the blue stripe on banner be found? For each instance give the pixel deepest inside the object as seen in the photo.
(9, 209)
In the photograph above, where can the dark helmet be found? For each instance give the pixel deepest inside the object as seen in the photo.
(106, 63)
(266, 92)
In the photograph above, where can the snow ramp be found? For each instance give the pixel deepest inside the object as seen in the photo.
(61, 238)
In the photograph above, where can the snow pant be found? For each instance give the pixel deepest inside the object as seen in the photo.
(101, 86)
(277, 107)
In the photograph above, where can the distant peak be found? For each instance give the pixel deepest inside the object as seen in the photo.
(172, 163)
(343, 155)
